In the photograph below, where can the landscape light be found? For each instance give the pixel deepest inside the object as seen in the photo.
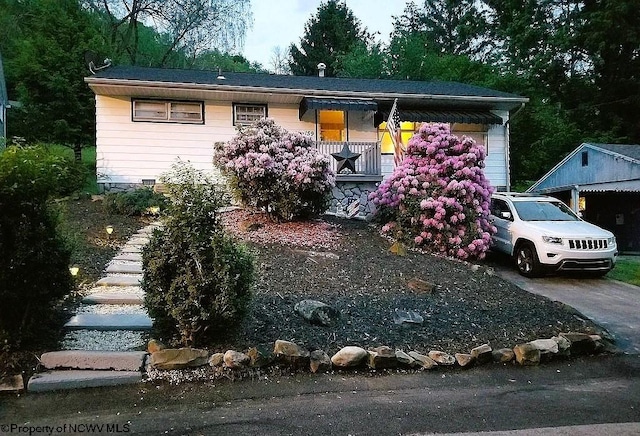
(74, 270)
(109, 230)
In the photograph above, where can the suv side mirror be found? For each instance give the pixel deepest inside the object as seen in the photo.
(506, 215)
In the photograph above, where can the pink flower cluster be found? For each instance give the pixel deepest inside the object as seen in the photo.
(277, 170)
(439, 197)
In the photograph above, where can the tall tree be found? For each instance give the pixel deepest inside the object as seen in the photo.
(610, 34)
(44, 65)
(190, 27)
(330, 34)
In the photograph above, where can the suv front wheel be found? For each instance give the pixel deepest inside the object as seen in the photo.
(526, 259)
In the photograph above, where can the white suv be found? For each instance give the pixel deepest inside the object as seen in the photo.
(542, 232)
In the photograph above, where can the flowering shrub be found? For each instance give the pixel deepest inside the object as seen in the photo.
(279, 171)
(439, 197)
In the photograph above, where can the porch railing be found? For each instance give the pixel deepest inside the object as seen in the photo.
(369, 162)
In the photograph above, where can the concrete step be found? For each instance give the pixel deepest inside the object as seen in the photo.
(115, 321)
(117, 298)
(137, 241)
(74, 379)
(95, 360)
(125, 268)
(128, 257)
(120, 280)
(135, 249)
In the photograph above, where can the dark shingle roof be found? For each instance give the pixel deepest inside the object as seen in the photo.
(373, 86)
(629, 150)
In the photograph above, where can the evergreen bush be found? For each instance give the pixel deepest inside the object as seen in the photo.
(34, 272)
(134, 203)
(275, 170)
(196, 278)
(438, 198)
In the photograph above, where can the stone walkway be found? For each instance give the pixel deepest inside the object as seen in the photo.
(111, 322)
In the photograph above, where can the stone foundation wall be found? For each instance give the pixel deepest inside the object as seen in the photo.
(104, 188)
(345, 194)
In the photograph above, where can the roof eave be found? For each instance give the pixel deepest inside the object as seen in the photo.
(509, 102)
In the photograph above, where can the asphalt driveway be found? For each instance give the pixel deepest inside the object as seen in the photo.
(612, 304)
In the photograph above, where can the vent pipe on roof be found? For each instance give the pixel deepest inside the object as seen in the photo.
(321, 68)
(220, 76)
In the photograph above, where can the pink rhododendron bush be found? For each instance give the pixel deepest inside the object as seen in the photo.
(278, 171)
(438, 198)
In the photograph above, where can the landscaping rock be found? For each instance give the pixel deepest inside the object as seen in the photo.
(260, 356)
(317, 312)
(425, 362)
(382, 358)
(421, 286)
(548, 348)
(407, 317)
(581, 343)
(404, 358)
(155, 345)
(319, 361)
(564, 346)
(464, 360)
(291, 354)
(349, 357)
(12, 383)
(442, 358)
(482, 354)
(235, 359)
(180, 358)
(503, 355)
(527, 354)
(216, 359)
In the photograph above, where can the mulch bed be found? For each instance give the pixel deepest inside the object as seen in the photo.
(348, 265)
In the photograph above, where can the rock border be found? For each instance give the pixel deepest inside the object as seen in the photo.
(291, 356)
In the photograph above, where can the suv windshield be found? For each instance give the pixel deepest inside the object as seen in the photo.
(544, 211)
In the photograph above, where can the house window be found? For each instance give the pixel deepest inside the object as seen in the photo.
(585, 159)
(408, 128)
(332, 125)
(168, 111)
(245, 114)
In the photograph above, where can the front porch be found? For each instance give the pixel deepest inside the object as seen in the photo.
(368, 166)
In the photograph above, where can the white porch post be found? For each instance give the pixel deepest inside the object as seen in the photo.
(575, 198)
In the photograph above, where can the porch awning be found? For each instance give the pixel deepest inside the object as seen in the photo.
(343, 104)
(445, 116)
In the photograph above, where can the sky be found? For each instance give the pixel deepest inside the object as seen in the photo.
(281, 22)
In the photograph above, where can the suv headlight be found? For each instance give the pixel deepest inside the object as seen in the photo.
(611, 242)
(552, 239)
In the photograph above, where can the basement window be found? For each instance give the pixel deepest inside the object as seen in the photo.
(164, 111)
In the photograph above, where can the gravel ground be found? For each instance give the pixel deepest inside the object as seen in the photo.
(351, 268)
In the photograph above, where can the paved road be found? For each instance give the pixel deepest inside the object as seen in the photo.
(596, 395)
(612, 304)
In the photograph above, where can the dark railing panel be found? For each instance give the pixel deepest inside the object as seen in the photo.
(369, 162)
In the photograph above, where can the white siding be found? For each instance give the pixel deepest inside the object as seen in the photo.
(128, 151)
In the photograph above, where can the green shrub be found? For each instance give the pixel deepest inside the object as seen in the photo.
(197, 279)
(34, 274)
(136, 202)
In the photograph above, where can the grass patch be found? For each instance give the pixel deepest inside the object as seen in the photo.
(627, 270)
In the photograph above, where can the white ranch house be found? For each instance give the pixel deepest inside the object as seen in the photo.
(146, 118)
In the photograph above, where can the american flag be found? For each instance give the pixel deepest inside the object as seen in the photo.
(393, 126)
